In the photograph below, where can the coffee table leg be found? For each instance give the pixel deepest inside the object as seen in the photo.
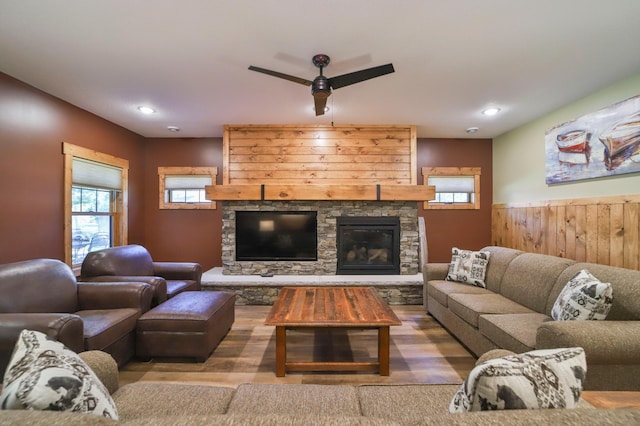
(281, 351)
(383, 350)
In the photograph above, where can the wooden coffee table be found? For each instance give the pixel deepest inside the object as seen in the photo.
(330, 307)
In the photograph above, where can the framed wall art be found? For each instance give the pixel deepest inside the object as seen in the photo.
(598, 144)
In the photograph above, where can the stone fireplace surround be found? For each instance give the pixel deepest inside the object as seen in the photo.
(244, 279)
(328, 211)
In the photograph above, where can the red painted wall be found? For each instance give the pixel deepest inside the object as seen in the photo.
(182, 235)
(466, 229)
(33, 126)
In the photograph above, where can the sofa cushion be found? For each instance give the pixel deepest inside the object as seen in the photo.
(320, 400)
(530, 277)
(583, 298)
(579, 416)
(440, 290)
(132, 259)
(141, 400)
(44, 375)
(469, 307)
(501, 257)
(550, 378)
(468, 266)
(104, 327)
(298, 419)
(407, 404)
(38, 285)
(514, 332)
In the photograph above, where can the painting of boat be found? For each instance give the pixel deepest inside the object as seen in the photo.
(622, 135)
(602, 143)
(575, 141)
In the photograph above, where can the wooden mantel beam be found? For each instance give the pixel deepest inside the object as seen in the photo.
(275, 192)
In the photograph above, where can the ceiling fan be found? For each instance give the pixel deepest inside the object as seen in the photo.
(321, 86)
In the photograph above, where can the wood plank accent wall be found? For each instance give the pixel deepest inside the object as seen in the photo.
(311, 162)
(599, 230)
(320, 155)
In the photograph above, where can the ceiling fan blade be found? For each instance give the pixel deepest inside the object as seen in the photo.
(281, 75)
(358, 76)
(320, 101)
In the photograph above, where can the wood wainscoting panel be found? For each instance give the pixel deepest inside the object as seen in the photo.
(603, 230)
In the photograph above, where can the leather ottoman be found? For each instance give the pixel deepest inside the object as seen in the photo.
(189, 325)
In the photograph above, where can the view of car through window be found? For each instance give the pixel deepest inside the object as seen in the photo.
(91, 221)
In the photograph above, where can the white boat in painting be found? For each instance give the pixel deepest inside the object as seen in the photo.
(622, 135)
(573, 141)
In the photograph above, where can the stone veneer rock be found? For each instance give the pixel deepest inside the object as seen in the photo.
(328, 211)
(403, 294)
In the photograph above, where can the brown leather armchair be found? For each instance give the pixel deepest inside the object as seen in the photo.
(43, 295)
(133, 263)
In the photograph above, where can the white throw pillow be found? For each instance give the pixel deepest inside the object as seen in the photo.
(584, 297)
(549, 378)
(468, 266)
(45, 375)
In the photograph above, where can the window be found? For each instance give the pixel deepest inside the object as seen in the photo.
(455, 187)
(184, 187)
(95, 202)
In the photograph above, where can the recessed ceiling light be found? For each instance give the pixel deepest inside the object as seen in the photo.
(472, 129)
(173, 128)
(491, 111)
(146, 110)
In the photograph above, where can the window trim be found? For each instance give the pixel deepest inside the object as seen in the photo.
(163, 172)
(120, 221)
(453, 171)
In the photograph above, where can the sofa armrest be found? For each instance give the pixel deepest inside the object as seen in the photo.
(604, 342)
(104, 366)
(158, 284)
(65, 328)
(105, 295)
(178, 271)
(435, 271)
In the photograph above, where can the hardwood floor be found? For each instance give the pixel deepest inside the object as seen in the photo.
(421, 351)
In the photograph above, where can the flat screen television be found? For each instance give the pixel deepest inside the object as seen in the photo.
(276, 235)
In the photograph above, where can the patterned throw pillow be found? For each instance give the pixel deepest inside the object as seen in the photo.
(468, 266)
(549, 378)
(584, 297)
(44, 375)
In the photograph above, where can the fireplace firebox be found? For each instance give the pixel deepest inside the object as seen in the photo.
(368, 245)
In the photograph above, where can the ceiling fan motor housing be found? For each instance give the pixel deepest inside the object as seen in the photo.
(321, 85)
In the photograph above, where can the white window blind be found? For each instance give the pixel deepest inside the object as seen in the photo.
(453, 183)
(97, 175)
(186, 181)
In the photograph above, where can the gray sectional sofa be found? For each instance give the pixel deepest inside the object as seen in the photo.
(513, 313)
(159, 404)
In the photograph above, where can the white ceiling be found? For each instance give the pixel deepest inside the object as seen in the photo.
(188, 59)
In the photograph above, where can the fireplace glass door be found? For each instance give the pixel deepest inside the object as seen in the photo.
(368, 245)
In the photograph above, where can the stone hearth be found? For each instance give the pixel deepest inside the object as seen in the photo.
(257, 290)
